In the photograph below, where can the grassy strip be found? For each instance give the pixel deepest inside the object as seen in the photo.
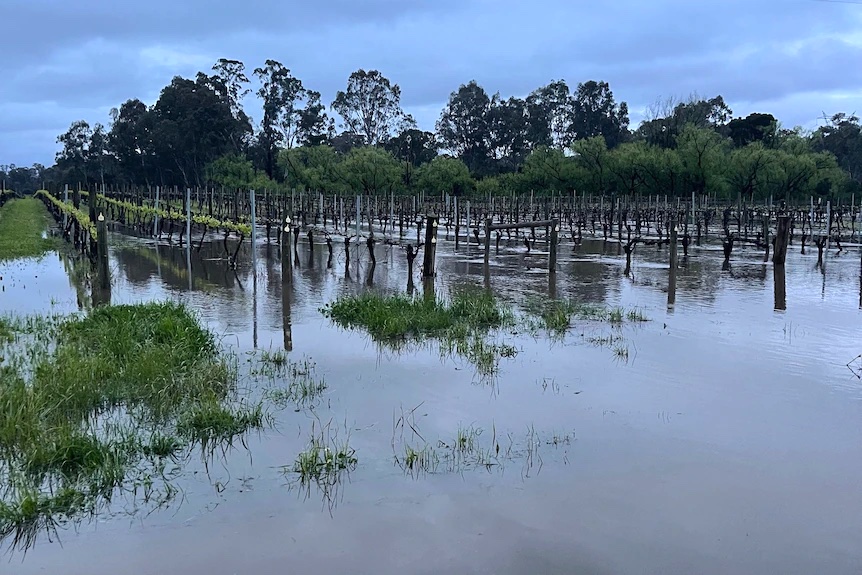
(90, 405)
(22, 225)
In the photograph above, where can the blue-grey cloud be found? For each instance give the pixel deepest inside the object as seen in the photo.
(69, 61)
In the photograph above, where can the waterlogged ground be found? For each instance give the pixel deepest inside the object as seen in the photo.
(720, 436)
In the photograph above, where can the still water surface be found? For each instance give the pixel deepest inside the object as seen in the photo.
(728, 441)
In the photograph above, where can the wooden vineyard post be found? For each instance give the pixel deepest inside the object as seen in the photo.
(65, 201)
(552, 256)
(430, 246)
(782, 237)
(104, 270)
(488, 222)
(286, 263)
(674, 257)
(91, 203)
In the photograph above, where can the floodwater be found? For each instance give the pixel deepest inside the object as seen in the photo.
(727, 440)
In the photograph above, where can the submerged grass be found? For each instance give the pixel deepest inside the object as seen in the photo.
(90, 404)
(557, 316)
(460, 325)
(325, 463)
(471, 448)
(23, 223)
(399, 317)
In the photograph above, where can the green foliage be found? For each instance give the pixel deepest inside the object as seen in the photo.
(235, 172)
(312, 168)
(550, 170)
(23, 223)
(445, 174)
(198, 132)
(370, 107)
(371, 170)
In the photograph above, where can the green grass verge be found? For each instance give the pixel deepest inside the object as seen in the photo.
(23, 223)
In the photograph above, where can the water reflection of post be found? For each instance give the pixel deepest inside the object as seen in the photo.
(671, 282)
(779, 275)
(254, 306)
(101, 296)
(286, 284)
(189, 235)
(286, 302)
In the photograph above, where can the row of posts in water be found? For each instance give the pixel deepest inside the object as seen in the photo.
(608, 216)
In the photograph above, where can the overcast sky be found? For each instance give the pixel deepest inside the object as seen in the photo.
(63, 61)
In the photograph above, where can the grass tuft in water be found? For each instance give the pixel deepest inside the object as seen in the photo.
(460, 326)
(399, 317)
(325, 463)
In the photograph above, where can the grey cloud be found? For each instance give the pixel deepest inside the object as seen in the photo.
(90, 55)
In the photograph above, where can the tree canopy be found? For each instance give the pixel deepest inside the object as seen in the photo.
(552, 140)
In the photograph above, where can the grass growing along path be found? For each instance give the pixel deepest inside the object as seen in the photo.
(22, 225)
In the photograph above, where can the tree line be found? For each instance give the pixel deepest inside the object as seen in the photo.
(555, 140)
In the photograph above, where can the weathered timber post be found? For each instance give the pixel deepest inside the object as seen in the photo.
(65, 201)
(286, 266)
(782, 236)
(91, 202)
(552, 256)
(488, 222)
(430, 246)
(674, 257)
(104, 270)
(457, 224)
(188, 213)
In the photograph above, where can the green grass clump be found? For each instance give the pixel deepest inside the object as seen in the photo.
(398, 317)
(93, 403)
(460, 325)
(23, 223)
(325, 462)
(213, 422)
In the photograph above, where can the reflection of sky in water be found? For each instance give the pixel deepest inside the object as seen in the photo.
(727, 411)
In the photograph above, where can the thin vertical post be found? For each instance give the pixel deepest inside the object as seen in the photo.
(65, 201)
(358, 202)
(189, 235)
(430, 246)
(156, 219)
(488, 222)
(674, 257)
(552, 256)
(102, 252)
(468, 225)
(252, 209)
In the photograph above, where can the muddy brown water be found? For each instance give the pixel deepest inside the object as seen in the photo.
(728, 441)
